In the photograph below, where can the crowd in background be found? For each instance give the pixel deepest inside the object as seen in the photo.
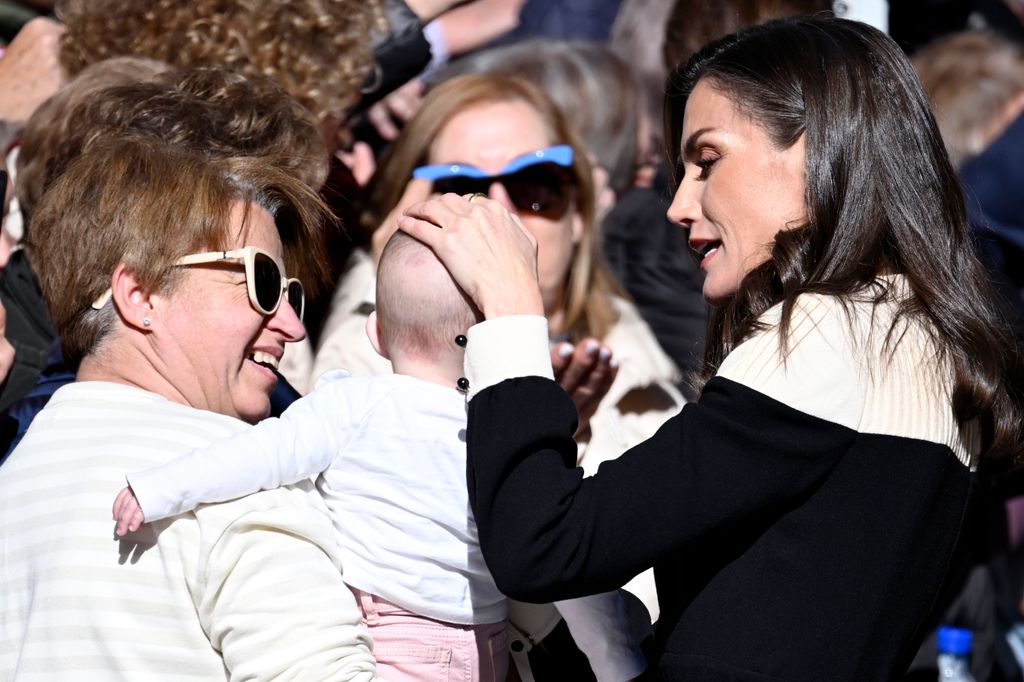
(344, 115)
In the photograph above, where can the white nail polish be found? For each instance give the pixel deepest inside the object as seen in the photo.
(564, 350)
(604, 354)
(591, 347)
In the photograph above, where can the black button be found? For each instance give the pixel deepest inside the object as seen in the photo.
(463, 384)
(517, 646)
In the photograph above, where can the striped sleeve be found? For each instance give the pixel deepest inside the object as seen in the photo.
(269, 593)
(248, 589)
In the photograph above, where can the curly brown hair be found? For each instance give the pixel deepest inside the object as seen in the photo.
(318, 50)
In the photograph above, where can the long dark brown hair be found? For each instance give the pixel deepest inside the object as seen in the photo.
(881, 197)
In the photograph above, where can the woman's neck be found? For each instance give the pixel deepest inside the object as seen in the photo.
(130, 369)
(126, 360)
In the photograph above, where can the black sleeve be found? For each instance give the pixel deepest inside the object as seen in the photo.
(29, 329)
(734, 458)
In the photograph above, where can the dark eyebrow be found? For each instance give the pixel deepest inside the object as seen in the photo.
(690, 148)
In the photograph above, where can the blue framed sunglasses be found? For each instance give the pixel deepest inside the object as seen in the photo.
(538, 183)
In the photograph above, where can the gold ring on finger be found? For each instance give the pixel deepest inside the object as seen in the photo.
(477, 195)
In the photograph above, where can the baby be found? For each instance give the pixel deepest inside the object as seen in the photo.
(389, 457)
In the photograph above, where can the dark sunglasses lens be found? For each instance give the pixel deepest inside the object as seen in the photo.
(267, 283)
(296, 298)
(544, 189)
(460, 184)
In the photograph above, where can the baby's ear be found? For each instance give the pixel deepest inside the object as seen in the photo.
(373, 333)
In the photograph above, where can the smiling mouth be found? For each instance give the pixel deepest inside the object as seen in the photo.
(707, 249)
(264, 359)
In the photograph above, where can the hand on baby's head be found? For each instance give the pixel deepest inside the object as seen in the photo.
(127, 512)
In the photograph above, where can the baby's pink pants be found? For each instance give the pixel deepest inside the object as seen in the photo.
(413, 648)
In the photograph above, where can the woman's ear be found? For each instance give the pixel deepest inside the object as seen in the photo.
(133, 302)
(373, 333)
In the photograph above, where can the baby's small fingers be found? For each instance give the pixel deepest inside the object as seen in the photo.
(119, 501)
(130, 518)
(122, 526)
(136, 520)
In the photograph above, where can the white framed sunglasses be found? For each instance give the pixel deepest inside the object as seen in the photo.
(264, 282)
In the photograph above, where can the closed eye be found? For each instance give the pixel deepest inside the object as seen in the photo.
(705, 164)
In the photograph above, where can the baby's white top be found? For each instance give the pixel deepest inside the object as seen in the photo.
(391, 457)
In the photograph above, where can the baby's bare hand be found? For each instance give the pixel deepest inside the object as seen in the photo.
(127, 512)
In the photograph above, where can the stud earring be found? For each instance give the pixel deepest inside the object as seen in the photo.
(146, 322)
(461, 340)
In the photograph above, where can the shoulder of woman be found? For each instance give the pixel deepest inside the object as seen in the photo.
(845, 361)
(815, 357)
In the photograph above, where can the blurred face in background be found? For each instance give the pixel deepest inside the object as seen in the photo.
(489, 136)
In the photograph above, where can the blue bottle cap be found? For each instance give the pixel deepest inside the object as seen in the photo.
(955, 641)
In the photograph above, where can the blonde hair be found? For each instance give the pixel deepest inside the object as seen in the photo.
(318, 50)
(970, 78)
(592, 86)
(145, 203)
(589, 309)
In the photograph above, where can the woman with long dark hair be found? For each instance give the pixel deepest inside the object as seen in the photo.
(805, 514)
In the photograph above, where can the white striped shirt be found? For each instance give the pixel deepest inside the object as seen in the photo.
(249, 589)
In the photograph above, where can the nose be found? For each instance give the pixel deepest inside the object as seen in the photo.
(286, 323)
(685, 208)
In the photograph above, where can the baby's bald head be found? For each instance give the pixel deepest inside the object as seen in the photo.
(420, 309)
